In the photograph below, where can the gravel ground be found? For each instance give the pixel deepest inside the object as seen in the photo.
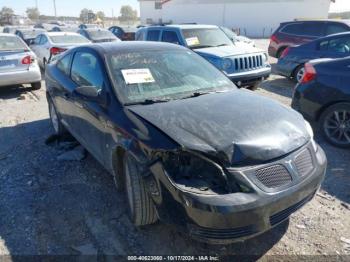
(53, 207)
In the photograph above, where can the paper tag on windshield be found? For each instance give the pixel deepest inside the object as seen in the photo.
(192, 41)
(137, 76)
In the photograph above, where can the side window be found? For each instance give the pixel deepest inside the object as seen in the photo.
(140, 35)
(340, 45)
(37, 40)
(334, 28)
(170, 37)
(86, 70)
(43, 40)
(293, 29)
(63, 64)
(153, 35)
(313, 29)
(323, 46)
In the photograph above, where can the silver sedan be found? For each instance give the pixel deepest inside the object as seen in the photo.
(18, 64)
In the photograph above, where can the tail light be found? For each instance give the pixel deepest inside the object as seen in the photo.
(285, 52)
(27, 60)
(309, 74)
(274, 39)
(56, 50)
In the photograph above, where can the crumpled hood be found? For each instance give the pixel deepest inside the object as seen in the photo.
(239, 48)
(237, 127)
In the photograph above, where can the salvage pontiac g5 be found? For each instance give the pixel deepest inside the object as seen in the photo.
(185, 144)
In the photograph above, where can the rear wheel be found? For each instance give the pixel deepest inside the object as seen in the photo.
(55, 120)
(140, 206)
(280, 51)
(335, 125)
(299, 73)
(36, 86)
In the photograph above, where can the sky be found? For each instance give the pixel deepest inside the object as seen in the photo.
(69, 7)
(73, 7)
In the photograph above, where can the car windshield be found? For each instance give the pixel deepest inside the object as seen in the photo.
(205, 37)
(11, 43)
(232, 35)
(69, 39)
(100, 34)
(30, 34)
(164, 75)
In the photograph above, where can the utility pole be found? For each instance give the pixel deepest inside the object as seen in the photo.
(54, 6)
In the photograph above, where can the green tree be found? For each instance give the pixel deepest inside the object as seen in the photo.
(101, 15)
(5, 15)
(33, 13)
(87, 16)
(127, 13)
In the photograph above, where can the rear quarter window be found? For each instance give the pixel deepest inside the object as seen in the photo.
(293, 29)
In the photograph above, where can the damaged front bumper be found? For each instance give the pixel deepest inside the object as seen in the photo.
(266, 201)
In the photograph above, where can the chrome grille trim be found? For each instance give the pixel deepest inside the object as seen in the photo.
(303, 162)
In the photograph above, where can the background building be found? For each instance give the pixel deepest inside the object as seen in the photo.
(255, 18)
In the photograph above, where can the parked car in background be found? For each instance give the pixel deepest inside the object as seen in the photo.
(236, 38)
(124, 33)
(18, 65)
(323, 97)
(98, 35)
(244, 64)
(28, 35)
(291, 62)
(65, 28)
(11, 29)
(185, 144)
(86, 26)
(49, 44)
(300, 32)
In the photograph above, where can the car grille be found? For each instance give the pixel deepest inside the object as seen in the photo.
(248, 62)
(284, 214)
(232, 233)
(303, 163)
(273, 176)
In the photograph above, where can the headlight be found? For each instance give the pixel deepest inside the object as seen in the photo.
(311, 133)
(195, 174)
(226, 64)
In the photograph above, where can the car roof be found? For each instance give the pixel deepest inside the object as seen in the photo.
(8, 34)
(184, 26)
(344, 21)
(61, 33)
(95, 29)
(132, 46)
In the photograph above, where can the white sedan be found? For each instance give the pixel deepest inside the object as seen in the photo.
(49, 44)
(18, 64)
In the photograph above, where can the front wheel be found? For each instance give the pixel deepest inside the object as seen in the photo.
(335, 125)
(55, 120)
(36, 86)
(140, 206)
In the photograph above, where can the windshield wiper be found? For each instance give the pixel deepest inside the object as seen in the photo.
(148, 102)
(201, 46)
(197, 94)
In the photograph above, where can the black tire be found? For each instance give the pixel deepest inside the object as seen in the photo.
(334, 125)
(36, 86)
(280, 51)
(254, 87)
(44, 64)
(140, 206)
(59, 129)
(296, 72)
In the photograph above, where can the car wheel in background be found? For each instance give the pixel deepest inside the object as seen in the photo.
(44, 64)
(140, 206)
(36, 86)
(335, 125)
(254, 87)
(299, 73)
(55, 120)
(280, 51)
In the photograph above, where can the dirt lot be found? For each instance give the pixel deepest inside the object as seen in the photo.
(53, 207)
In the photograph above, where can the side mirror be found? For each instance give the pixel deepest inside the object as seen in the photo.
(88, 93)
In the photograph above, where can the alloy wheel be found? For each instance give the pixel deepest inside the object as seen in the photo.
(337, 127)
(300, 74)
